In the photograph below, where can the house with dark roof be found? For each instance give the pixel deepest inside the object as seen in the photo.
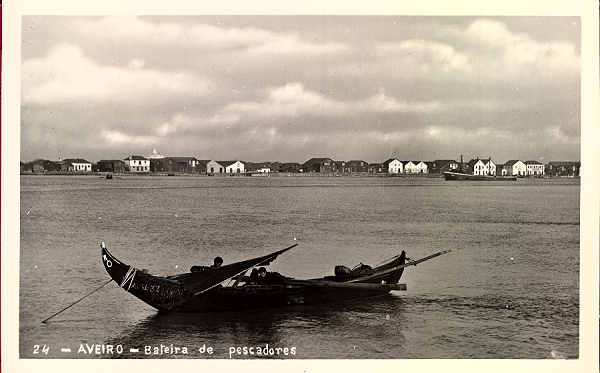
(322, 165)
(189, 162)
(440, 166)
(482, 166)
(499, 168)
(472, 162)
(116, 166)
(183, 165)
(393, 166)
(201, 165)
(41, 166)
(52, 166)
(357, 166)
(75, 165)
(513, 167)
(341, 167)
(36, 166)
(563, 168)
(290, 167)
(261, 167)
(376, 168)
(137, 164)
(275, 166)
(534, 168)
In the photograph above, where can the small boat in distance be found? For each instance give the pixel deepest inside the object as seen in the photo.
(462, 176)
(204, 290)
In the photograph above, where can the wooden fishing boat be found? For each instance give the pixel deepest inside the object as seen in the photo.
(203, 291)
(462, 176)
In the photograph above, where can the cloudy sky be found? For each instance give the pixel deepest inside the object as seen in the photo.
(290, 88)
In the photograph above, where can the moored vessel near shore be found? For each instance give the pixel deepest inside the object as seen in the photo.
(203, 290)
(463, 176)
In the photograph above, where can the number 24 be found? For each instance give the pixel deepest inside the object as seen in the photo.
(44, 349)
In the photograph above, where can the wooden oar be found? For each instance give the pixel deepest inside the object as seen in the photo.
(77, 301)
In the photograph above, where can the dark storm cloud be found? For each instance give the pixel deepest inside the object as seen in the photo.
(288, 88)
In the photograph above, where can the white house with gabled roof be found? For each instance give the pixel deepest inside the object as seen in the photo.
(233, 167)
(514, 167)
(421, 167)
(483, 167)
(214, 167)
(393, 166)
(415, 167)
(409, 167)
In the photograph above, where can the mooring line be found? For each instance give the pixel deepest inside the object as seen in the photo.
(77, 301)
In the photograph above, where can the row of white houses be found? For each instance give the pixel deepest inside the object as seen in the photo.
(517, 167)
(514, 167)
(474, 166)
(396, 166)
(160, 163)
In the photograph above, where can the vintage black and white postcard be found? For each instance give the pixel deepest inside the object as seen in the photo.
(312, 186)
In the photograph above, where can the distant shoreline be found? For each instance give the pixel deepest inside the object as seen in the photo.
(254, 175)
(273, 174)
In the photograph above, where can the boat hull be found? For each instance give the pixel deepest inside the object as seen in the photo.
(269, 296)
(463, 177)
(167, 294)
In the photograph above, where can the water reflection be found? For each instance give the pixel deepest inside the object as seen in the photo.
(350, 323)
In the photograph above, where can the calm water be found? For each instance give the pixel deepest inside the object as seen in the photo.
(509, 289)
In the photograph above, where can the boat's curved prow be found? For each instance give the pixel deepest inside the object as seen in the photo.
(159, 292)
(114, 267)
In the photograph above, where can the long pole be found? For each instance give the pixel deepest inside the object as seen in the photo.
(77, 301)
(411, 263)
